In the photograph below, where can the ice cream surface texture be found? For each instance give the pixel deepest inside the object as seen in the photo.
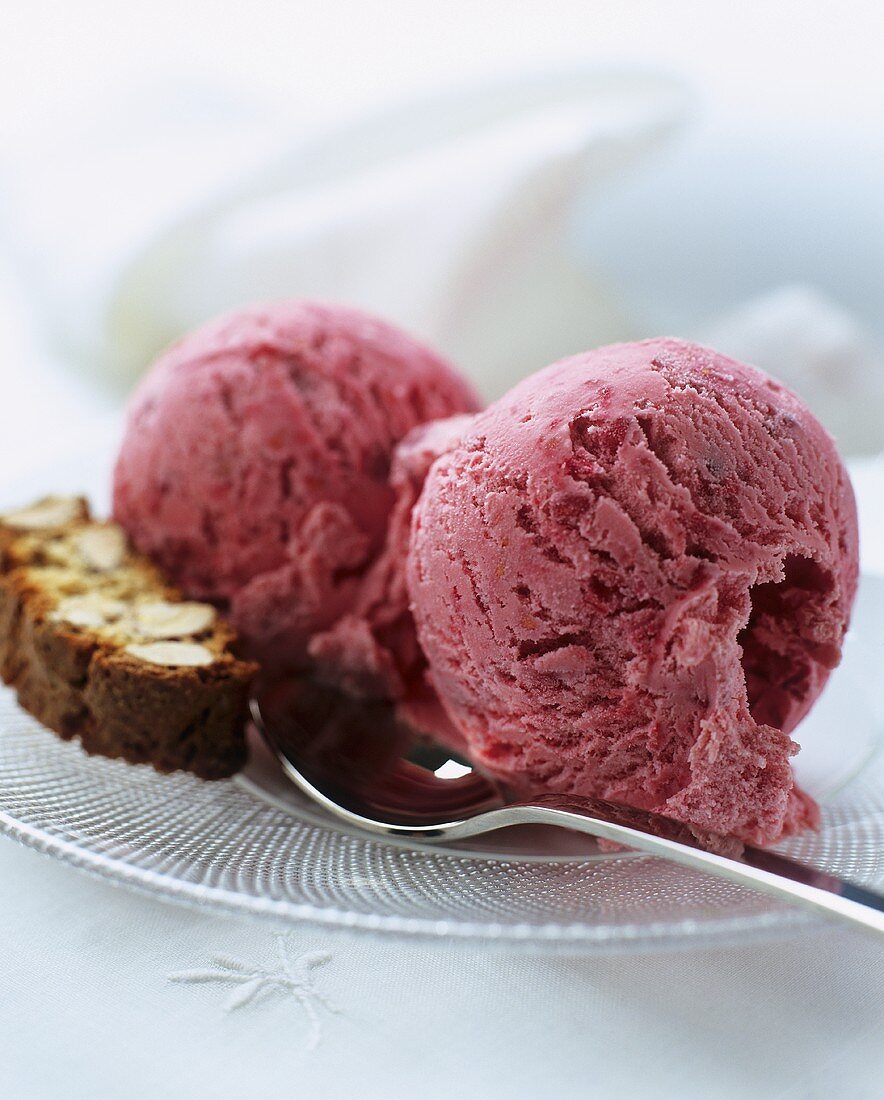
(631, 579)
(373, 650)
(255, 465)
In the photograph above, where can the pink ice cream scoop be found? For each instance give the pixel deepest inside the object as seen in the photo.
(631, 579)
(255, 466)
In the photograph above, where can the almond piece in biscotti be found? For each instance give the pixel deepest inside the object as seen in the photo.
(173, 620)
(91, 610)
(172, 654)
(102, 548)
(45, 514)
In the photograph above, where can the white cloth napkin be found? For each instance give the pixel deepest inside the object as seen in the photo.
(448, 215)
(453, 216)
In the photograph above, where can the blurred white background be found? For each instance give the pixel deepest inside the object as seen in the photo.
(813, 67)
(121, 119)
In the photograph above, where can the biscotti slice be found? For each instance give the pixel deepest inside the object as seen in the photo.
(98, 646)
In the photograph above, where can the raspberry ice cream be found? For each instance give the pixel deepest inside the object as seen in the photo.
(255, 467)
(631, 579)
(372, 651)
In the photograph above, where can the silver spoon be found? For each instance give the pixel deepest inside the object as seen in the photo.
(354, 759)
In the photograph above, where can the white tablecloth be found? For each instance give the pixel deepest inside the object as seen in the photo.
(90, 1009)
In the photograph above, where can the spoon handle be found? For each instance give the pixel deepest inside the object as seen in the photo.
(768, 872)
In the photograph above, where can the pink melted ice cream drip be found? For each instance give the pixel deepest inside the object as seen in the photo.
(631, 579)
(255, 466)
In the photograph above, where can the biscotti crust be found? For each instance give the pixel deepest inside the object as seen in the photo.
(187, 719)
(100, 648)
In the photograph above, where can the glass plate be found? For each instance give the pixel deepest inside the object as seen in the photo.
(253, 845)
